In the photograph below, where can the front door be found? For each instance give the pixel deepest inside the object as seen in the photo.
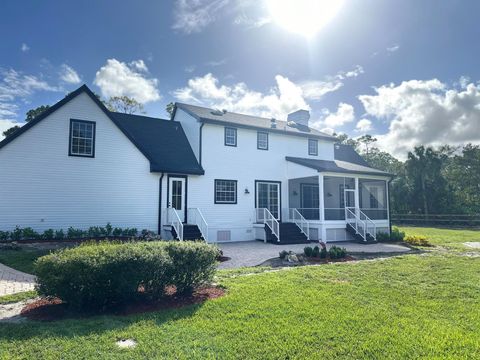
(176, 195)
(268, 196)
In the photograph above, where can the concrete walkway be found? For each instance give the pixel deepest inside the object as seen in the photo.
(13, 281)
(252, 253)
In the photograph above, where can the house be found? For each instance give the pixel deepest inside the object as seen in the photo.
(210, 173)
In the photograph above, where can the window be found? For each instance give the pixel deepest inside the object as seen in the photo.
(230, 136)
(312, 147)
(82, 138)
(225, 191)
(262, 140)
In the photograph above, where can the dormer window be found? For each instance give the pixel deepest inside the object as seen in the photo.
(313, 147)
(230, 136)
(82, 138)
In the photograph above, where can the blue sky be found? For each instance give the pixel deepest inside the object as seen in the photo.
(405, 71)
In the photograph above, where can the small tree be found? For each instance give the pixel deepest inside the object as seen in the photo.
(33, 113)
(124, 104)
(366, 140)
(170, 108)
(11, 130)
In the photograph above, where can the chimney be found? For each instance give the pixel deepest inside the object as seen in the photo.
(300, 117)
(273, 123)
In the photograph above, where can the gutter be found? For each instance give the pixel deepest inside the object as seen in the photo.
(160, 204)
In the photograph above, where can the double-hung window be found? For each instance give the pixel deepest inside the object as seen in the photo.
(230, 136)
(82, 138)
(225, 191)
(262, 140)
(313, 147)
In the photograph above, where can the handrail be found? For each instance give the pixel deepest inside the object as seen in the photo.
(304, 226)
(199, 220)
(174, 220)
(264, 216)
(368, 220)
(360, 225)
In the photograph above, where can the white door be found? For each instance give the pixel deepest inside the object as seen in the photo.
(268, 196)
(176, 195)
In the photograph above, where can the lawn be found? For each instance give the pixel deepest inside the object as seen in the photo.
(423, 305)
(21, 259)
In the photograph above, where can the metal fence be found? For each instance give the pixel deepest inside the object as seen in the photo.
(439, 220)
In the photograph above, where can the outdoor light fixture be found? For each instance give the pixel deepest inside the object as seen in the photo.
(246, 191)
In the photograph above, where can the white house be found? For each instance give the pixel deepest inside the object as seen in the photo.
(210, 173)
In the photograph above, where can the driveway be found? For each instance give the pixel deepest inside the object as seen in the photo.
(252, 253)
(13, 281)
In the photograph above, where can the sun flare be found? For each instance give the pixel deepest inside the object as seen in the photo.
(305, 17)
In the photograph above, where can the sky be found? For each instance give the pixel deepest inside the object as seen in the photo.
(405, 71)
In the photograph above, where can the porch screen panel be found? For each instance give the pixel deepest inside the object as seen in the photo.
(334, 196)
(373, 198)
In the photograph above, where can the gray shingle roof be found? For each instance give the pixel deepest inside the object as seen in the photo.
(240, 120)
(163, 142)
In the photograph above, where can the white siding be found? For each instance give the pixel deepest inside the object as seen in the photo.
(42, 187)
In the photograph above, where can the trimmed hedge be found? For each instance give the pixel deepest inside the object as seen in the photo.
(97, 275)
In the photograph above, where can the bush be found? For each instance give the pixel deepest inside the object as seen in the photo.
(16, 234)
(383, 237)
(417, 240)
(94, 276)
(283, 254)
(336, 252)
(323, 253)
(48, 234)
(308, 251)
(29, 234)
(117, 232)
(316, 252)
(4, 236)
(59, 234)
(73, 233)
(396, 234)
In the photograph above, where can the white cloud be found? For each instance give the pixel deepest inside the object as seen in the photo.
(191, 16)
(425, 112)
(280, 100)
(69, 75)
(7, 124)
(315, 90)
(24, 47)
(344, 114)
(117, 78)
(214, 63)
(252, 22)
(189, 68)
(364, 126)
(393, 48)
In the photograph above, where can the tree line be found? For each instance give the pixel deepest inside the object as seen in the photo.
(432, 180)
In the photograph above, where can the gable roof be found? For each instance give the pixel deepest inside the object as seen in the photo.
(347, 153)
(162, 142)
(212, 116)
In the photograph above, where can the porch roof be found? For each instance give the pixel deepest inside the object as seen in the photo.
(337, 166)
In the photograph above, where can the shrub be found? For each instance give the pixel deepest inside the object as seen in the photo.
(59, 234)
(308, 251)
(94, 276)
(336, 252)
(48, 234)
(117, 232)
(73, 233)
(29, 234)
(283, 254)
(383, 237)
(108, 229)
(323, 253)
(316, 252)
(417, 240)
(4, 236)
(396, 234)
(16, 234)
(193, 264)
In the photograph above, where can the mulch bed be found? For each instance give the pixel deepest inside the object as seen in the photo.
(315, 260)
(54, 309)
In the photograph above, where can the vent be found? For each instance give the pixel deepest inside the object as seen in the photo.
(224, 235)
(273, 123)
(218, 112)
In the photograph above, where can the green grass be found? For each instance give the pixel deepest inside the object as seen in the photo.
(412, 306)
(447, 238)
(21, 259)
(7, 299)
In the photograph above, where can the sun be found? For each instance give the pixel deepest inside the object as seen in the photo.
(305, 17)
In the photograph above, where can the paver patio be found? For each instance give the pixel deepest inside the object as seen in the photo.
(252, 253)
(13, 281)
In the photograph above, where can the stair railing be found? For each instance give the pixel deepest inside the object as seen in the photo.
(263, 215)
(196, 217)
(298, 219)
(174, 220)
(370, 227)
(352, 219)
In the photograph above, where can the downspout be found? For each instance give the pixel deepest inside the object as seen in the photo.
(160, 205)
(389, 207)
(200, 145)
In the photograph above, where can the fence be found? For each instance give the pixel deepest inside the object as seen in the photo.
(441, 220)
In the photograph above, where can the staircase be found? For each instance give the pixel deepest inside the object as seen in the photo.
(359, 238)
(190, 232)
(360, 226)
(289, 234)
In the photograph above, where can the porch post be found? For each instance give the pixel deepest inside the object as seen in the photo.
(357, 194)
(320, 200)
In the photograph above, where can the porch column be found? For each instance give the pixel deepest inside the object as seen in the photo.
(357, 194)
(320, 195)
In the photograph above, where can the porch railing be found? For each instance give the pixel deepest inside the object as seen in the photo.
(264, 216)
(196, 217)
(352, 219)
(296, 217)
(174, 220)
(370, 227)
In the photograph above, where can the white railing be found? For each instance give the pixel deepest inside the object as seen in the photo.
(173, 219)
(264, 216)
(370, 227)
(354, 221)
(296, 217)
(195, 216)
